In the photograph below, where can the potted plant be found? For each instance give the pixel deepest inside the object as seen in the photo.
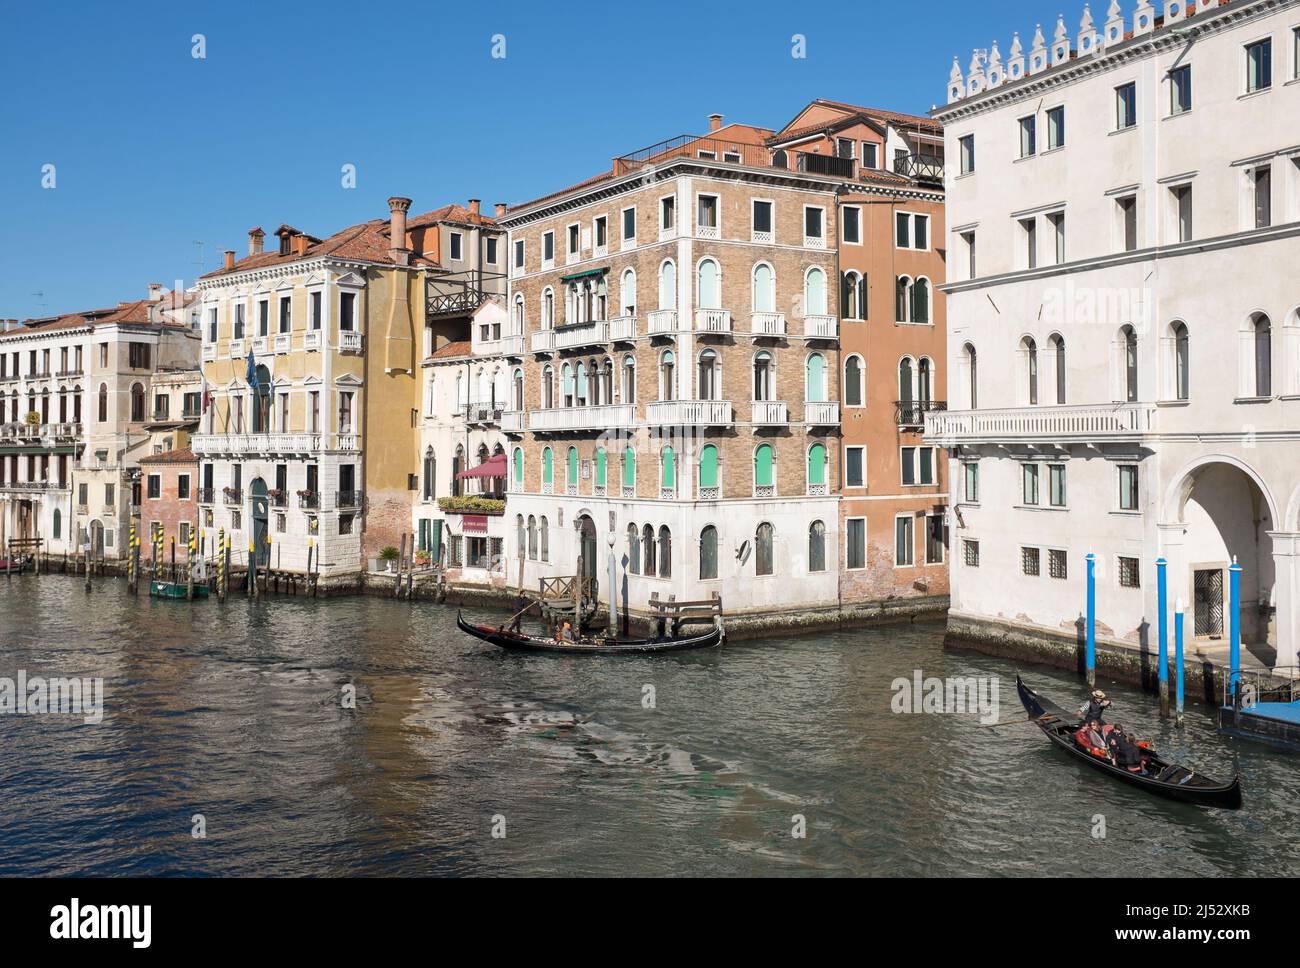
(389, 557)
(33, 418)
(422, 558)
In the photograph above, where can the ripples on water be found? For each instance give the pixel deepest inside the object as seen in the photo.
(233, 711)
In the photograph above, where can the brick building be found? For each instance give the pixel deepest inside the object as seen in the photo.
(168, 505)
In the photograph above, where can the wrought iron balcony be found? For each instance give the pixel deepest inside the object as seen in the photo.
(923, 168)
(347, 499)
(309, 500)
(911, 413)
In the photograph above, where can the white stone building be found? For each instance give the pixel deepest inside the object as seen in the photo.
(1124, 339)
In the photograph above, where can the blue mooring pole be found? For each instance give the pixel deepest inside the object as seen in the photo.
(1178, 661)
(1234, 628)
(1162, 625)
(1092, 620)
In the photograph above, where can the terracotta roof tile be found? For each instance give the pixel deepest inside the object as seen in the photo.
(182, 456)
(461, 347)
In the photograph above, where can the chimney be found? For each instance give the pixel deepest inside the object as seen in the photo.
(715, 122)
(300, 246)
(256, 240)
(474, 206)
(155, 291)
(230, 259)
(501, 209)
(397, 247)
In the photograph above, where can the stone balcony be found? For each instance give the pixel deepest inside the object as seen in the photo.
(769, 413)
(562, 419)
(14, 434)
(767, 324)
(821, 327)
(1088, 422)
(581, 335)
(713, 321)
(281, 444)
(689, 413)
(661, 322)
(622, 328)
(821, 413)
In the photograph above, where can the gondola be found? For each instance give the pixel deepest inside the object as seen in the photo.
(15, 565)
(1163, 778)
(519, 642)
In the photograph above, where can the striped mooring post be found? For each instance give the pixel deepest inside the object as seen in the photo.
(1091, 657)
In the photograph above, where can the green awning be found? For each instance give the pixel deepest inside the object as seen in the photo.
(584, 274)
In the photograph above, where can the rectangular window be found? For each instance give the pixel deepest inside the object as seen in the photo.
(762, 214)
(936, 539)
(489, 253)
(844, 147)
(1128, 221)
(911, 231)
(904, 541)
(851, 218)
(1128, 487)
(1029, 562)
(1056, 127)
(969, 239)
(629, 224)
(154, 487)
(110, 495)
(347, 311)
(600, 230)
(139, 355)
(286, 314)
(263, 317)
(519, 254)
(855, 549)
(1028, 136)
(707, 211)
(1130, 573)
(812, 223)
(971, 487)
(239, 321)
(1057, 564)
(455, 246)
(1262, 182)
(971, 552)
(667, 212)
(870, 155)
(345, 523)
(1029, 484)
(1029, 238)
(854, 471)
(1056, 485)
(966, 147)
(1181, 198)
(1180, 89)
(1295, 53)
(183, 487)
(1259, 65)
(918, 465)
(573, 242)
(1125, 106)
(1057, 221)
(314, 309)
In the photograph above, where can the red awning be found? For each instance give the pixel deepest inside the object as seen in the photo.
(473, 524)
(494, 466)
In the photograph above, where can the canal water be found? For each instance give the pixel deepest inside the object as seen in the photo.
(234, 712)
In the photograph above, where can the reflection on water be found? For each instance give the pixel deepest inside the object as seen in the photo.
(233, 712)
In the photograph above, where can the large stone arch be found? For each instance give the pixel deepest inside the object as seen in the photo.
(1181, 484)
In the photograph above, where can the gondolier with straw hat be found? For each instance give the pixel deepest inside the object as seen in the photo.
(1093, 710)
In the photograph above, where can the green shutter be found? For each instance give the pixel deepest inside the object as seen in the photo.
(435, 545)
(547, 469)
(816, 378)
(572, 477)
(763, 466)
(629, 468)
(670, 468)
(600, 467)
(519, 466)
(709, 466)
(816, 464)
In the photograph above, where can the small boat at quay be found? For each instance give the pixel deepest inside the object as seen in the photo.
(176, 589)
(15, 565)
(1162, 778)
(522, 642)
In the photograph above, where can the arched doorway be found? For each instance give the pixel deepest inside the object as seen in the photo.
(261, 506)
(588, 549)
(1225, 513)
(97, 538)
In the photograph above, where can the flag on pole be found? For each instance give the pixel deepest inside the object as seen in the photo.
(251, 375)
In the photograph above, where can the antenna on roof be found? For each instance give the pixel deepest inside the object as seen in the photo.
(200, 243)
(40, 301)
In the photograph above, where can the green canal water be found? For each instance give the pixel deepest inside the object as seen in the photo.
(234, 712)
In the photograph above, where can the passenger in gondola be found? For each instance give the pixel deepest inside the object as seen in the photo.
(1092, 738)
(1096, 705)
(566, 634)
(1125, 750)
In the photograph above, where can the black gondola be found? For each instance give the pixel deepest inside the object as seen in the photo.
(520, 642)
(1162, 778)
(15, 565)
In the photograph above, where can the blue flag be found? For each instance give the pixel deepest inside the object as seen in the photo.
(251, 377)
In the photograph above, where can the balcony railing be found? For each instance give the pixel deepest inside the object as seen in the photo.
(1089, 422)
(309, 500)
(209, 352)
(821, 327)
(926, 168)
(237, 348)
(813, 164)
(13, 433)
(278, 500)
(512, 421)
(560, 419)
(33, 486)
(543, 341)
(311, 339)
(661, 322)
(233, 496)
(911, 413)
(283, 343)
(275, 443)
(206, 495)
(689, 413)
(485, 412)
(713, 321)
(767, 324)
(821, 412)
(595, 333)
(622, 328)
(347, 499)
(75, 371)
(770, 412)
(349, 341)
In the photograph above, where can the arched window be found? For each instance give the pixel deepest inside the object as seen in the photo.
(629, 379)
(780, 159)
(430, 467)
(764, 291)
(921, 301)
(903, 299)
(648, 550)
(627, 293)
(708, 291)
(518, 401)
(971, 361)
(708, 473)
(665, 552)
(520, 539)
(763, 540)
(667, 375)
(544, 540)
(814, 292)
(667, 472)
(1029, 372)
(103, 403)
(457, 465)
(817, 546)
(548, 308)
(764, 475)
(709, 385)
(580, 384)
(924, 380)
(137, 402)
(1181, 361)
(906, 378)
(633, 549)
(1056, 343)
(519, 314)
(548, 467)
(571, 469)
(566, 384)
(629, 470)
(817, 469)
(853, 396)
(1263, 346)
(853, 295)
(764, 376)
(532, 538)
(1129, 349)
(607, 381)
(668, 285)
(519, 469)
(708, 553)
(815, 379)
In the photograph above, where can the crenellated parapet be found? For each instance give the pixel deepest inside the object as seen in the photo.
(987, 69)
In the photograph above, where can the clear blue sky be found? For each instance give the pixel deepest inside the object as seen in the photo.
(154, 149)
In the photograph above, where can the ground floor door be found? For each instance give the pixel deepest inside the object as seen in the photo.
(261, 507)
(1207, 596)
(590, 560)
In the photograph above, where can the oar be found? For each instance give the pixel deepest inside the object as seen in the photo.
(1014, 722)
(517, 614)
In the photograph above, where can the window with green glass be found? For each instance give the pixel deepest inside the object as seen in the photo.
(600, 467)
(709, 466)
(519, 466)
(816, 464)
(669, 468)
(763, 466)
(816, 378)
(548, 471)
(629, 468)
(572, 477)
